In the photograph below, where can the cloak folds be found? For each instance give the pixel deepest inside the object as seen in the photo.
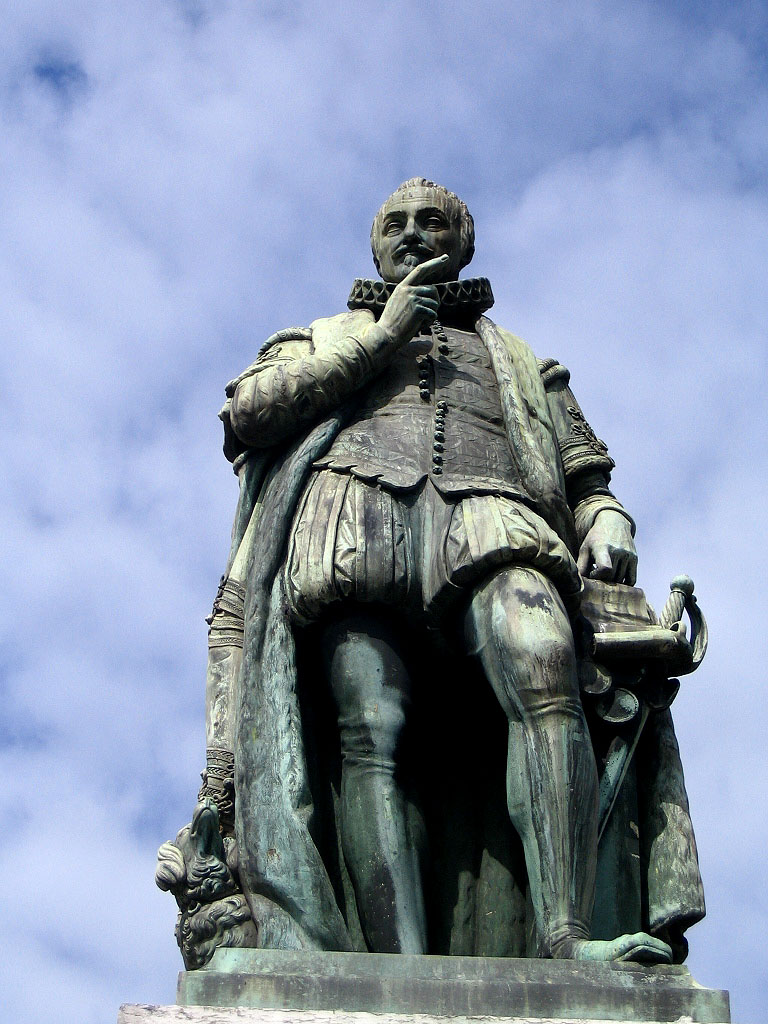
(268, 704)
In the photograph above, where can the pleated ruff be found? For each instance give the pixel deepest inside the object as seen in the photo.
(354, 541)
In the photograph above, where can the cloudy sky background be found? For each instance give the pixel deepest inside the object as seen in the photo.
(180, 179)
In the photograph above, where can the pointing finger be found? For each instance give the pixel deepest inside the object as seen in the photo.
(424, 270)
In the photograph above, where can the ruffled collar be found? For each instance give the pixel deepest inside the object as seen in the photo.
(470, 297)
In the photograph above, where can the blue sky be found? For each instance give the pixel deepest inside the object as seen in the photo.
(182, 179)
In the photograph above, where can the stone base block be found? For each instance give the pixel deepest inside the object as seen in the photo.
(144, 1014)
(431, 987)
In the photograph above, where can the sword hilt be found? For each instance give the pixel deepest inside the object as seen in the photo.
(681, 600)
(681, 592)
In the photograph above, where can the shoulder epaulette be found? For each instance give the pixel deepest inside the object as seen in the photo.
(288, 334)
(551, 370)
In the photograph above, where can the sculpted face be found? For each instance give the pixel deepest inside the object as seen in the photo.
(416, 227)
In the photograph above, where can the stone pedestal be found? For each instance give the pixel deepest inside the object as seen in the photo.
(287, 987)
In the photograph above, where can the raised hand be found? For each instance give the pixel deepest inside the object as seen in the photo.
(413, 302)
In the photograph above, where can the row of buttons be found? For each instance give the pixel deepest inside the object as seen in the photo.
(438, 331)
(424, 379)
(438, 441)
(438, 445)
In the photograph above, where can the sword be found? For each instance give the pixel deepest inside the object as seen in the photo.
(665, 642)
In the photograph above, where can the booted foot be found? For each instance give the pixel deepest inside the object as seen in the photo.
(639, 948)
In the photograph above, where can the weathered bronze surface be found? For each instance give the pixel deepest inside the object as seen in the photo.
(437, 703)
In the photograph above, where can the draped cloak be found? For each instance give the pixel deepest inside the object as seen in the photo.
(268, 703)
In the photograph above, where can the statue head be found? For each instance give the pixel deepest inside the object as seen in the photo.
(419, 221)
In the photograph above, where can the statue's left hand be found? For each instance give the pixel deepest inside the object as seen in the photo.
(608, 552)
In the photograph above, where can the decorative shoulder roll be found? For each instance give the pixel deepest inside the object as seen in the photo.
(289, 334)
(552, 371)
(234, 449)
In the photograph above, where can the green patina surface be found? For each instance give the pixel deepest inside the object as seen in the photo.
(437, 703)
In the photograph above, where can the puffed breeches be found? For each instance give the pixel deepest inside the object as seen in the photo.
(418, 550)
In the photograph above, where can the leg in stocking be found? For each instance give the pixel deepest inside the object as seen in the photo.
(371, 688)
(517, 626)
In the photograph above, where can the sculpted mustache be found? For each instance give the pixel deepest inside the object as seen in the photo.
(413, 250)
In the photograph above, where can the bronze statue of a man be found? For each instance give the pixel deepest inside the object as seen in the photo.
(417, 490)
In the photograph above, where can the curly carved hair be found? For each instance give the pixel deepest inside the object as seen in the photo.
(455, 208)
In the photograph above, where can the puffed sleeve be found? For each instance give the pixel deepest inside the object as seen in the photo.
(292, 384)
(586, 462)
